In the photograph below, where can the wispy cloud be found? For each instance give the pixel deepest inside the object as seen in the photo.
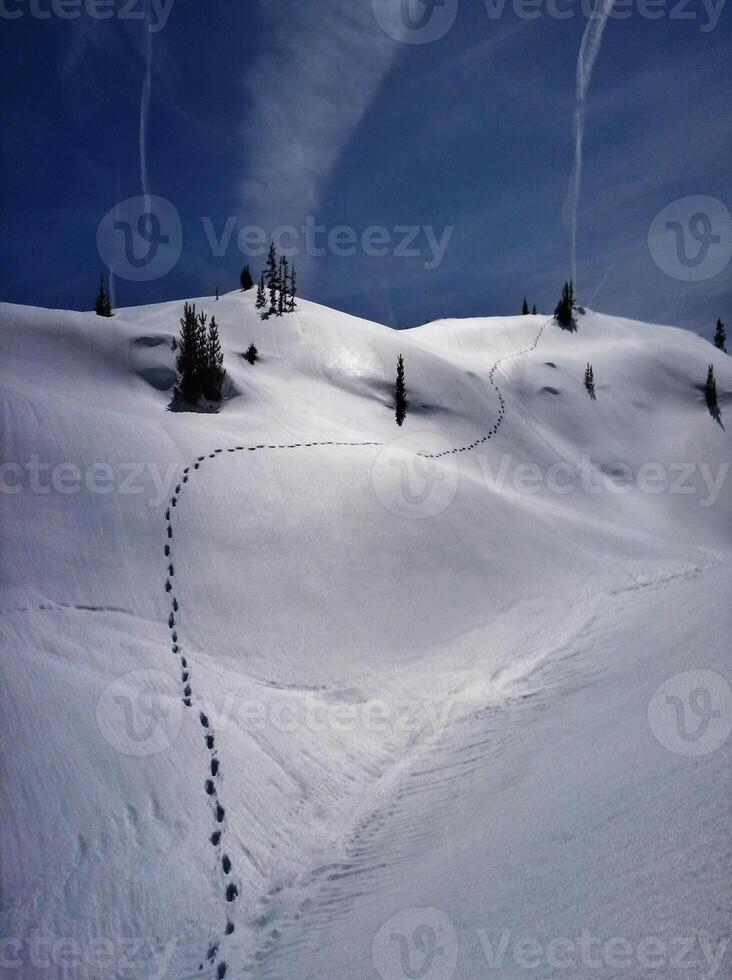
(145, 103)
(589, 50)
(307, 94)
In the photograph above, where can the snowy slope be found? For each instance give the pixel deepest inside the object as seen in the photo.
(351, 616)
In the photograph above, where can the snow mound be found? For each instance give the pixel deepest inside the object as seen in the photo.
(272, 622)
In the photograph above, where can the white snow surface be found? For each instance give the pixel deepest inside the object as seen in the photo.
(427, 686)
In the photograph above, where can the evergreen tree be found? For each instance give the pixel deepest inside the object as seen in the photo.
(565, 306)
(213, 364)
(252, 354)
(525, 308)
(710, 390)
(292, 292)
(284, 285)
(272, 280)
(188, 361)
(533, 309)
(217, 294)
(245, 279)
(590, 381)
(261, 298)
(720, 337)
(400, 392)
(103, 305)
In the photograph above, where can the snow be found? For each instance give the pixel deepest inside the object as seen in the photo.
(427, 681)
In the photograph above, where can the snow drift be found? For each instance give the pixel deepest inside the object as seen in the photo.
(385, 673)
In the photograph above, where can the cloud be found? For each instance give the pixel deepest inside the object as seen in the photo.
(307, 93)
(589, 50)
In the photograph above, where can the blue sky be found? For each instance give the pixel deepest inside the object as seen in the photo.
(279, 114)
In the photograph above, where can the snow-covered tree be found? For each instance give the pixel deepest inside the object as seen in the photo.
(565, 306)
(710, 390)
(103, 305)
(245, 279)
(720, 337)
(400, 393)
(590, 381)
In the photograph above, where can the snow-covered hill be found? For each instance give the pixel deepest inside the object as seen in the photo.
(275, 675)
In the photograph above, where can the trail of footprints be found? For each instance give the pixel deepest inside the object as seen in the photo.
(212, 782)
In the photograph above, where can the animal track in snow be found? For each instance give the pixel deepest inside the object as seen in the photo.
(231, 891)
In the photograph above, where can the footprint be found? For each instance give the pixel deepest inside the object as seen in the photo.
(231, 892)
(216, 838)
(210, 788)
(226, 864)
(220, 813)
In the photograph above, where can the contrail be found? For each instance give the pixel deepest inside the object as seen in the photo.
(602, 282)
(112, 296)
(145, 105)
(589, 49)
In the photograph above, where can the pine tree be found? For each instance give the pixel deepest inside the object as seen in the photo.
(103, 305)
(217, 294)
(245, 279)
(710, 390)
(213, 370)
(590, 381)
(188, 360)
(252, 354)
(400, 392)
(272, 280)
(284, 285)
(261, 298)
(565, 306)
(525, 308)
(720, 337)
(533, 309)
(291, 304)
